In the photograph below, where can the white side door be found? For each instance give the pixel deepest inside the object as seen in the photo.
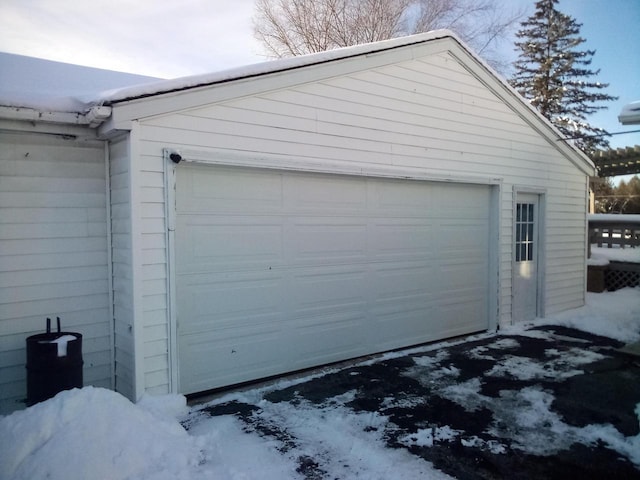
(526, 254)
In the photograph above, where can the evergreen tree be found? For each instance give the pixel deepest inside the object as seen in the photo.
(604, 192)
(623, 198)
(555, 76)
(628, 195)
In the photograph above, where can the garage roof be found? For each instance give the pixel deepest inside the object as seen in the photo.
(264, 68)
(83, 88)
(98, 108)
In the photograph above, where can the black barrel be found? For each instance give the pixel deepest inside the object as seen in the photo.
(54, 363)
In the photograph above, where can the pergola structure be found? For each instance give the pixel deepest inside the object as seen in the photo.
(619, 161)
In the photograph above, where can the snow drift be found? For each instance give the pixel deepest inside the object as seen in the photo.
(96, 433)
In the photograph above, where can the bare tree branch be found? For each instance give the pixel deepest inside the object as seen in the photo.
(296, 27)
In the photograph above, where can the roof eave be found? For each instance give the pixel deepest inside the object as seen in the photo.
(92, 118)
(538, 121)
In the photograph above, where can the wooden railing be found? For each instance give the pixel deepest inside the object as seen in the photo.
(619, 231)
(614, 230)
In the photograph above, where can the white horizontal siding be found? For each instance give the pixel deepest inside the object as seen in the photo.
(122, 259)
(154, 270)
(428, 113)
(53, 253)
(144, 273)
(140, 302)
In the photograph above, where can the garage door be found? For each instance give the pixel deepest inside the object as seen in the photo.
(278, 271)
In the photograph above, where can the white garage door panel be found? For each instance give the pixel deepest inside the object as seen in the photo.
(345, 195)
(217, 190)
(251, 358)
(406, 198)
(328, 289)
(238, 243)
(326, 241)
(227, 296)
(327, 314)
(317, 341)
(400, 280)
(278, 271)
(401, 240)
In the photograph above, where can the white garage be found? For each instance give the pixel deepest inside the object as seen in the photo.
(279, 271)
(285, 215)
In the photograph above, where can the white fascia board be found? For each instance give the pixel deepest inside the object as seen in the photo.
(94, 117)
(33, 115)
(79, 132)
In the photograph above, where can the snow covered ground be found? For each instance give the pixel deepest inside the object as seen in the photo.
(93, 433)
(611, 314)
(603, 255)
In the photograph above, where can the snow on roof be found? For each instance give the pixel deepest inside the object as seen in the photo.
(273, 66)
(116, 87)
(54, 86)
(614, 217)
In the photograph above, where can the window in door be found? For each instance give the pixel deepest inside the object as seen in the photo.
(525, 214)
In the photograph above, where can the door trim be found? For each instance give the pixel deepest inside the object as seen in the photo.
(170, 228)
(281, 163)
(541, 234)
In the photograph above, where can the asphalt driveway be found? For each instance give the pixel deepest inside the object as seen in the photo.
(551, 402)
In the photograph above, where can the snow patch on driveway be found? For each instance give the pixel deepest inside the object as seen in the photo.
(427, 437)
(341, 442)
(524, 368)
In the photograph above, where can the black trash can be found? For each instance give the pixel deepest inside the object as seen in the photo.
(54, 363)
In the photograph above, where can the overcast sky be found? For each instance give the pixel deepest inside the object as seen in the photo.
(163, 38)
(172, 38)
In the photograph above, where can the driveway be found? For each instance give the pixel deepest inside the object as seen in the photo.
(550, 402)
